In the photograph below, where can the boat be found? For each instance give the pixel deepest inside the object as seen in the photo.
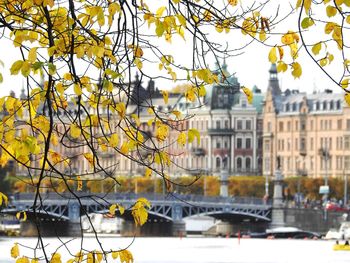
(339, 247)
(9, 226)
(291, 232)
(342, 233)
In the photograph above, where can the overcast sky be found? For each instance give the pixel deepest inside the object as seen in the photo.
(251, 67)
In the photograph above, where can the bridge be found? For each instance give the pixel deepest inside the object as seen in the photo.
(171, 208)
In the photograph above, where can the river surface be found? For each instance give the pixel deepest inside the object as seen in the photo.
(196, 249)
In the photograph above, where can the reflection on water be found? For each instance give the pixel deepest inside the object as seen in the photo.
(195, 249)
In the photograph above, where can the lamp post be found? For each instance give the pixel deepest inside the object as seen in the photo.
(324, 153)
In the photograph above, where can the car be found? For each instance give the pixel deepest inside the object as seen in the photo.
(330, 206)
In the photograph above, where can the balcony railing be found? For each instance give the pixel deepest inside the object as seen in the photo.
(198, 151)
(219, 131)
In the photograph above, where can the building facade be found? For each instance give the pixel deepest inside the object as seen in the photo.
(309, 132)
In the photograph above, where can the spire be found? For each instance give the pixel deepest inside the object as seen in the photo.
(273, 81)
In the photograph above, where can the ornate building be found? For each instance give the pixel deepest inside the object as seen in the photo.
(310, 132)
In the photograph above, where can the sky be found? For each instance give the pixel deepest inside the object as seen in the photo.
(251, 67)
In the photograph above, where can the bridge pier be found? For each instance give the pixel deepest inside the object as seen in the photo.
(178, 228)
(277, 217)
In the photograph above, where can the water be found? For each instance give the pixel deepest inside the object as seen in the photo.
(198, 249)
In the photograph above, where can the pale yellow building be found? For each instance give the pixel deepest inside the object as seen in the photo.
(310, 132)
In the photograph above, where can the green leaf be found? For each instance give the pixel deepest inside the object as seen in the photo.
(52, 69)
(16, 67)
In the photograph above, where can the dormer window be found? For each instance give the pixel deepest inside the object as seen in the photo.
(317, 105)
(338, 105)
(287, 107)
(294, 106)
(331, 105)
(324, 105)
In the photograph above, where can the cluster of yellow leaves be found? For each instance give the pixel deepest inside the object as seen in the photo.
(194, 92)
(162, 131)
(256, 24)
(15, 254)
(113, 208)
(139, 211)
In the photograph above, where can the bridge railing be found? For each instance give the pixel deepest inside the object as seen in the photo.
(150, 196)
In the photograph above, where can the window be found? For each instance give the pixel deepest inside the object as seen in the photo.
(288, 126)
(311, 144)
(331, 105)
(217, 124)
(287, 107)
(324, 105)
(226, 144)
(294, 106)
(248, 143)
(296, 144)
(239, 125)
(302, 144)
(348, 124)
(248, 125)
(267, 146)
(330, 143)
(338, 105)
(339, 162)
(347, 143)
(239, 163)
(296, 125)
(311, 125)
(247, 163)
(288, 144)
(280, 126)
(318, 105)
(347, 162)
(303, 125)
(239, 143)
(311, 163)
(218, 144)
(218, 162)
(226, 124)
(340, 124)
(269, 127)
(288, 163)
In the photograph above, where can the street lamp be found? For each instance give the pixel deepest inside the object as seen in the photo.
(301, 172)
(324, 153)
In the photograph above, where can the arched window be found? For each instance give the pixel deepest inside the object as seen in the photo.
(239, 163)
(247, 163)
(287, 107)
(218, 162)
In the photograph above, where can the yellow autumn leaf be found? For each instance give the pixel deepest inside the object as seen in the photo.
(19, 216)
(114, 140)
(281, 66)
(192, 133)
(249, 94)
(79, 183)
(296, 70)
(23, 259)
(75, 131)
(16, 67)
(148, 172)
(331, 11)
(120, 108)
(347, 98)
(56, 258)
(181, 139)
(273, 55)
(316, 48)
(165, 96)
(115, 254)
(121, 209)
(139, 211)
(345, 83)
(34, 260)
(3, 199)
(25, 70)
(162, 132)
(32, 54)
(126, 256)
(15, 251)
(112, 209)
(90, 158)
(77, 89)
